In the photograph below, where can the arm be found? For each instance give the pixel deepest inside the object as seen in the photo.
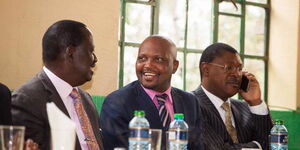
(114, 122)
(31, 113)
(261, 118)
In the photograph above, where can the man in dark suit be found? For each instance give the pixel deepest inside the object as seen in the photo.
(68, 56)
(5, 105)
(230, 123)
(155, 64)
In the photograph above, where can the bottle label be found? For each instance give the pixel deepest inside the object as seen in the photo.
(139, 133)
(181, 135)
(279, 138)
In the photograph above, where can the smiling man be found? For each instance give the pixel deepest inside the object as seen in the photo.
(230, 123)
(69, 59)
(155, 64)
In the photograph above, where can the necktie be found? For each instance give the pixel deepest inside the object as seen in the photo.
(163, 112)
(228, 122)
(84, 121)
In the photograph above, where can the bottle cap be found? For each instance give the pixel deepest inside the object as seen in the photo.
(278, 121)
(139, 113)
(178, 116)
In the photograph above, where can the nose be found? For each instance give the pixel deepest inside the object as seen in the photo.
(236, 72)
(148, 63)
(95, 59)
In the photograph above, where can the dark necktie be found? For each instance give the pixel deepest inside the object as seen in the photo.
(84, 121)
(228, 122)
(163, 112)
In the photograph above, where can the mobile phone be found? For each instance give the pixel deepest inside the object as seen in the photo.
(244, 83)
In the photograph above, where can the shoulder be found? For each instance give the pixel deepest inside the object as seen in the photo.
(33, 91)
(180, 94)
(126, 92)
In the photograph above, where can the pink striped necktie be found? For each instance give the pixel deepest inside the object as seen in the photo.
(163, 112)
(84, 121)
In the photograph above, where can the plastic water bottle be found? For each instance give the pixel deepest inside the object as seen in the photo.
(139, 138)
(279, 136)
(178, 133)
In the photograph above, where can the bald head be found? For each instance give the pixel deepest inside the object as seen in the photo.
(164, 42)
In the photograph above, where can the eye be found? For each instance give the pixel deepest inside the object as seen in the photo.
(141, 58)
(160, 59)
(240, 68)
(228, 68)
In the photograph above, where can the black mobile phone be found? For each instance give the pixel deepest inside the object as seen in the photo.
(244, 83)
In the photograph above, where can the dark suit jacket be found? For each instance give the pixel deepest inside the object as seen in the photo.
(118, 108)
(250, 127)
(5, 105)
(29, 109)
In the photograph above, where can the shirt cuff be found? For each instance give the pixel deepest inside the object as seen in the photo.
(258, 145)
(260, 109)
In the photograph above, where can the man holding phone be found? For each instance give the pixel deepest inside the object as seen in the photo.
(230, 123)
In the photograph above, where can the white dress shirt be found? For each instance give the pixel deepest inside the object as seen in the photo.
(64, 89)
(260, 109)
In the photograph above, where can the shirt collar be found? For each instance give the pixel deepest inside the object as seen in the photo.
(152, 93)
(62, 87)
(214, 99)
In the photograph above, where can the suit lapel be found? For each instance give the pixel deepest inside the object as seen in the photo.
(53, 94)
(146, 104)
(55, 98)
(177, 102)
(205, 101)
(211, 115)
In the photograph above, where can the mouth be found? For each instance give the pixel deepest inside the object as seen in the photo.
(149, 75)
(234, 83)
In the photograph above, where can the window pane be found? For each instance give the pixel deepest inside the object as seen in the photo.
(192, 71)
(199, 24)
(255, 31)
(172, 20)
(137, 24)
(228, 7)
(256, 67)
(258, 1)
(177, 78)
(229, 31)
(130, 55)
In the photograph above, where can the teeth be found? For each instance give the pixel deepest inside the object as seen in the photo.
(149, 74)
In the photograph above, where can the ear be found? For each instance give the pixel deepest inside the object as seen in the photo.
(175, 66)
(204, 69)
(69, 54)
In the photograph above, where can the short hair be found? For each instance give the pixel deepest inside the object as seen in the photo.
(213, 51)
(61, 35)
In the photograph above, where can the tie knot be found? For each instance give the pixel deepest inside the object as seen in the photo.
(161, 99)
(75, 94)
(226, 106)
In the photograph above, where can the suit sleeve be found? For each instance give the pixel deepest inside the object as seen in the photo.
(262, 126)
(31, 113)
(114, 121)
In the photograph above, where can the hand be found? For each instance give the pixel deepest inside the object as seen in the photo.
(30, 145)
(253, 95)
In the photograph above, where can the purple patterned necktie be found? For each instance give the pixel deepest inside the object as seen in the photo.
(163, 112)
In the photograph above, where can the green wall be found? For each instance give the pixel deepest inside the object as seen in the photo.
(291, 120)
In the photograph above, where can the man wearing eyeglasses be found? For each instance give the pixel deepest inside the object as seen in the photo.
(230, 123)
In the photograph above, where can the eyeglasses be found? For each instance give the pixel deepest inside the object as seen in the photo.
(228, 68)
